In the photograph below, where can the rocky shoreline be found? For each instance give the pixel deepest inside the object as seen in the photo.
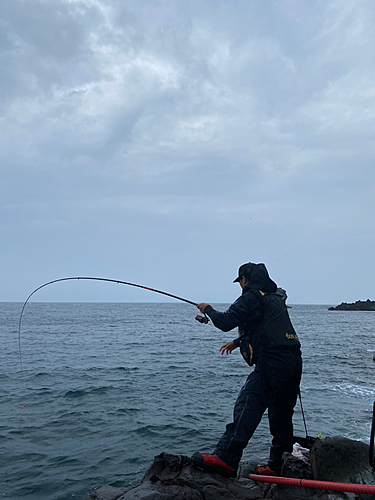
(173, 477)
(359, 305)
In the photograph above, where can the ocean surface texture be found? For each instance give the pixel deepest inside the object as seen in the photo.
(106, 387)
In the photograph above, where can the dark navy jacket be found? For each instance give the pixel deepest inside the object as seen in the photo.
(262, 319)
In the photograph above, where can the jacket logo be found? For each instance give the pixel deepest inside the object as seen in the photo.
(291, 336)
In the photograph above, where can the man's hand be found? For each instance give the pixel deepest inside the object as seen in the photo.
(227, 348)
(202, 306)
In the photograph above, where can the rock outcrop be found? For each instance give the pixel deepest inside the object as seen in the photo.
(359, 305)
(173, 477)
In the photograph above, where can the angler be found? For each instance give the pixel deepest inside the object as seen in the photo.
(267, 340)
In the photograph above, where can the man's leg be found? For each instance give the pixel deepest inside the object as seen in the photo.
(248, 410)
(280, 413)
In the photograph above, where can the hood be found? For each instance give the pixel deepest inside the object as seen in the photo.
(260, 280)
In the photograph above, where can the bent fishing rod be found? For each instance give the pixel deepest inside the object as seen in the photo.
(202, 319)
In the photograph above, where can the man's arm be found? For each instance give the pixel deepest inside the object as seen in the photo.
(245, 309)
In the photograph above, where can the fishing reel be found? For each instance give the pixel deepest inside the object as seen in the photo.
(202, 319)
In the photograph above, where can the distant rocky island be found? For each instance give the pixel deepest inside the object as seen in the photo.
(360, 305)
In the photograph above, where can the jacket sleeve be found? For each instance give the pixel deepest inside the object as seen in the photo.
(246, 309)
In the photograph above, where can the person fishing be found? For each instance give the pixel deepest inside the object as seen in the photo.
(267, 340)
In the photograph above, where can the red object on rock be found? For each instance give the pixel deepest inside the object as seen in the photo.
(264, 470)
(312, 483)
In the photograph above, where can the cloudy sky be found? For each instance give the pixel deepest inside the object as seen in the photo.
(166, 142)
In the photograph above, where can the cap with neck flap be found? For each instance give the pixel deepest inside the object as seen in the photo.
(257, 276)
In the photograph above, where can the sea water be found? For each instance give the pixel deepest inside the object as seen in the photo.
(105, 387)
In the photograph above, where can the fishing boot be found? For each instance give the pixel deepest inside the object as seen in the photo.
(213, 463)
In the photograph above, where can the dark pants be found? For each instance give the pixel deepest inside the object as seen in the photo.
(274, 384)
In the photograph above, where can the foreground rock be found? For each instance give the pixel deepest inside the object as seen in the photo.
(173, 477)
(360, 305)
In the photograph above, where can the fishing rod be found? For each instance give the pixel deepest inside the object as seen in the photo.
(202, 319)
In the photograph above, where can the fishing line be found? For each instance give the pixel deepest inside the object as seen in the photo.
(201, 319)
(303, 413)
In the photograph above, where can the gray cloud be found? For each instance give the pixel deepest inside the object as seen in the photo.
(210, 132)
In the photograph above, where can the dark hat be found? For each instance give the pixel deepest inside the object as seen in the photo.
(257, 276)
(245, 270)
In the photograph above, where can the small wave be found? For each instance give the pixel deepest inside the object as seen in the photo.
(44, 390)
(357, 390)
(128, 410)
(209, 414)
(126, 368)
(4, 440)
(176, 367)
(64, 461)
(153, 430)
(80, 393)
(75, 394)
(95, 369)
(100, 390)
(189, 418)
(105, 460)
(166, 431)
(72, 414)
(54, 424)
(17, 432)
(30, 457)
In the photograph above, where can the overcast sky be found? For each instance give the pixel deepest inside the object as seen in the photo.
(166, 142)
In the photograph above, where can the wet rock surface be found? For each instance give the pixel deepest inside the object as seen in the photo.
(173, 477)
(339, 459)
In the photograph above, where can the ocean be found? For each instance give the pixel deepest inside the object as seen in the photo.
(104, 387)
